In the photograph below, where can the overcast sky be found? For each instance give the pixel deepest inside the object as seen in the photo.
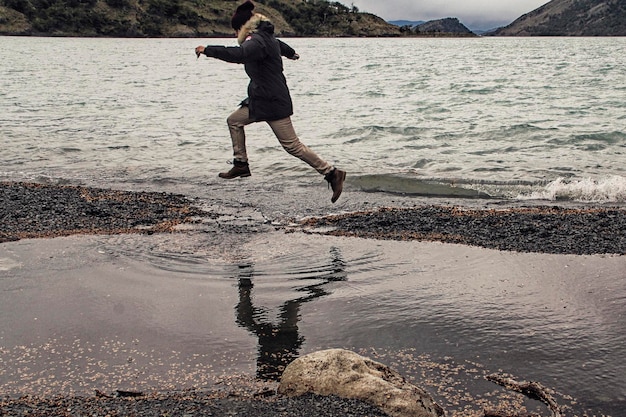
(475, 14)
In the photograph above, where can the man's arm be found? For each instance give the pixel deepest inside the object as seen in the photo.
(250, 50)
(287, 51)
(232, 54)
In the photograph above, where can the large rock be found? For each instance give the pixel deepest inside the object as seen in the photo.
(349, 375)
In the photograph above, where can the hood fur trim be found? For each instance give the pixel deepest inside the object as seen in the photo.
(250, 27)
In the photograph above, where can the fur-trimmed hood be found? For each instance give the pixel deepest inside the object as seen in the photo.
(252, 25)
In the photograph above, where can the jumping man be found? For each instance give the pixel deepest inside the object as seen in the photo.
(268, 95)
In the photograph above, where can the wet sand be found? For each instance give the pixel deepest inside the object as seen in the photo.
(84, 258)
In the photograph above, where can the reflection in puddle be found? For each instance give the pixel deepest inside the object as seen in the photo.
(175, 312)
(279, 343)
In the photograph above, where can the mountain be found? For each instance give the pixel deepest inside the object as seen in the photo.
(433, 28)
(181, 18)
(443, 27)
(571, 18)
(410, 23)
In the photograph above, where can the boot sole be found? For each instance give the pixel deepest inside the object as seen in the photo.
(232, 178)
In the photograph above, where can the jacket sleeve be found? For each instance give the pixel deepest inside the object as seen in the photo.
(225, 53)
(286, 50)
(250, 50)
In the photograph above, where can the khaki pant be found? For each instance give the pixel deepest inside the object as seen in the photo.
(285, 133)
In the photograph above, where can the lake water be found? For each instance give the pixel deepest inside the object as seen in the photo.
(411, 120)
(513, 118)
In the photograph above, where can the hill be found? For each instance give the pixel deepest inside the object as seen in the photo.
(181, 18)
(443, 27)
(571, 18)
(410, 23)
(448, 27)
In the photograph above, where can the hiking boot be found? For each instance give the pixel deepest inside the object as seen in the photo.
(239, 169)
(335, 179)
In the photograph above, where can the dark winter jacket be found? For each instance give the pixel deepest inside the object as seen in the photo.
(261, 53)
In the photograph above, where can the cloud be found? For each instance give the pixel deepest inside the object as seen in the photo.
(470, 12)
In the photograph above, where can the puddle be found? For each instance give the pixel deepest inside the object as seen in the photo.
(181, 311)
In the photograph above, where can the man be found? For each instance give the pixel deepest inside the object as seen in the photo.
(268, 95)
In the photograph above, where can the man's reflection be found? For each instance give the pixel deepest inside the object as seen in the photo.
(279, 343)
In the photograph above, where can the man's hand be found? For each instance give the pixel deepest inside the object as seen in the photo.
(199, 50)
(295, 57)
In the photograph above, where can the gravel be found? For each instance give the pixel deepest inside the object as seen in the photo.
(556, 230)
(189, 404)
(32, 210)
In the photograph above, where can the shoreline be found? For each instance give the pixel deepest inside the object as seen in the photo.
(33, 210)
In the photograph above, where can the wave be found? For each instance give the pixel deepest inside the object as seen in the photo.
(611, 189)
(396, 184)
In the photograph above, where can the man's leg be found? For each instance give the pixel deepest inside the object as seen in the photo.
(286, 135)
(236, 122)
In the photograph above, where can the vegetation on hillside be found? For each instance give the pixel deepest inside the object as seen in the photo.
(311, 18)
(181, 18)
(315, 18)
(120, 17)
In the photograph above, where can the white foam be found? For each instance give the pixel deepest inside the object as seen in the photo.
(610, 189)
